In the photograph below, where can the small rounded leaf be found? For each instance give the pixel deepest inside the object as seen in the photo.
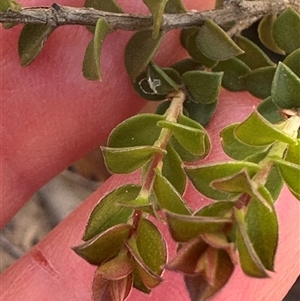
(215, 43)
(202, 177)
(233, 70)
(175, 7)
(94, 252)
(140, 51)
(286, 88)
(247, 131)
(268, 109)
(107, 5)
(128, 159)
(259, 81)
(265, 33)
(203, 86)
(12, 5)
(91, 62)
(109, 213)
(287, 22)
(254, 57)
(293, 61)
(32, 40)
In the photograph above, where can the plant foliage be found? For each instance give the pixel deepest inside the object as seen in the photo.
(121, 237)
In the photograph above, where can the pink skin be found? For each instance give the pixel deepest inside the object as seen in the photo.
(53, 116)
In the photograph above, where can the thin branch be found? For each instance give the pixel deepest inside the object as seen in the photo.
(238, 11)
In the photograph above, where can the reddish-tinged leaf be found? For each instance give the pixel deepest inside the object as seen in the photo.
(101, 288)
(121, 288)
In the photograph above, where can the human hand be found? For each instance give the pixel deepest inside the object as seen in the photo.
(53, 116)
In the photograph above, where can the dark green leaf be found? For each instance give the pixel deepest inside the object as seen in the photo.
(187, 65)
(160, 82)
(250, 262)
(268, 109)
(286, 88)
(259, 81)
(190, 138)
(12, 5)
(193, 49)
(108, 212)
(247, 132)
(151, 246)
(175, 7)
(221, 209)
(200, 289)
(274, 183)
(265, 33)
(203, 86)
(202, 176)
(31, 41)
(185, 227)
(215, 43)
(262, 229)
(167, 196)
(236, 149)
(156, 8)
(138, 130)
(286, 31)
(91, 62)
(185, 33)
(172, 169)
(200, 112)
(128, 159)
(107, 5)
(113, 240)
(290, 173)
(254, 57)
(233, 70)
(140, 51)
(293, 61)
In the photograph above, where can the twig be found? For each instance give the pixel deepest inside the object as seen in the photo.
(10, 248)
(238, 11)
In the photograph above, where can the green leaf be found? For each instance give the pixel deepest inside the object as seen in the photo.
(286, 30)
(156, 8)
(221, 209)
(215, 43)
(259, 81)
(91, 62)
(235, 148)
(293, 62)
(265, 33)
(202, 177)
(138, 130)
(254, 57)
(128, 159)
(175, 7)
(203, 86)
(187, 65)
(233, 70)
(31, 41)
(140, 51)
(109, 213)
(185, 227)
(240, 183)
(199, 288)
(290, 173)
(285, 87)
(193, 49)
(292, 154)
(250, 262)
(274, 183)
(268, 109)
(172, 169)
(190, 138)
(247, 132)
(167, 196)
(12, 5)
(151, 246)
(262, 229)
(161, 83)
(113, 240)
(200, 112)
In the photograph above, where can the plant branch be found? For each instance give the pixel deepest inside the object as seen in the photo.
(237, 11)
